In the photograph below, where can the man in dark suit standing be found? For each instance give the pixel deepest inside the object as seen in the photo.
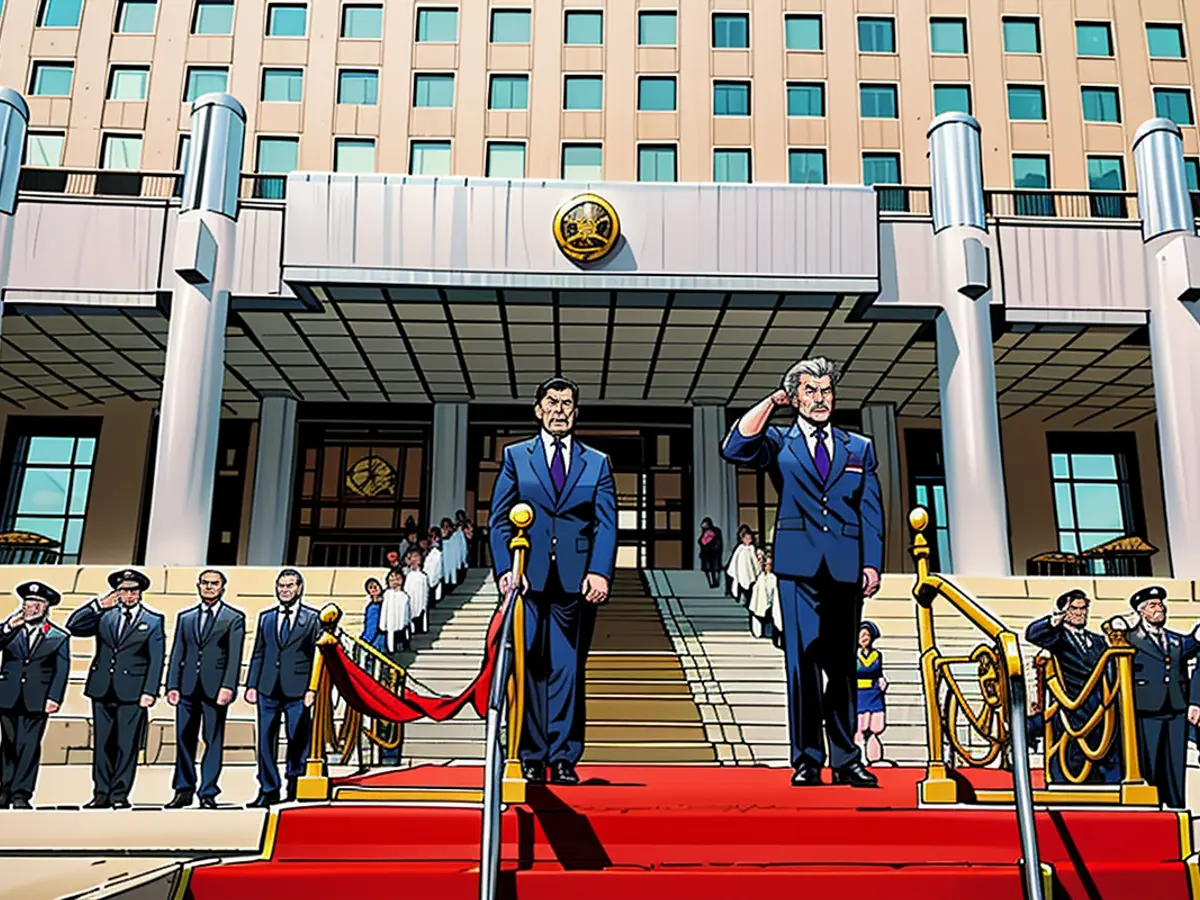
(35, 661)
(1160, 694)
(574, 550)
(202, 677)
(281, 663)
(122, 683)
(828, 552)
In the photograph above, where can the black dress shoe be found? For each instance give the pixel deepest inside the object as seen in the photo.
(533, 772)
(563, 772)
(208, 802)
(21, 803)
(855, 775)
(180, 800)
(100, 801)
(120, 804)
(262, 801)
(806, 775)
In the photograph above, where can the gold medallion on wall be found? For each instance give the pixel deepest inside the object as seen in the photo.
(586, 228)
(371, 476)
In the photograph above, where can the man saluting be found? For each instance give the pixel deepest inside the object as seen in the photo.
(827, 556)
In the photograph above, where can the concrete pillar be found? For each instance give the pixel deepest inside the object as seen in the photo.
(448, 467)
(1172, 253)
(14, 121)
(274, 470)
(714, 481)
(205, 244)
(879, 424)
(966, 366)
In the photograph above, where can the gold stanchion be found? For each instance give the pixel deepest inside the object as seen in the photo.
(314, 783)
(512, 787)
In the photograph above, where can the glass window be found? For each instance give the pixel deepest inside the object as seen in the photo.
(582, 162)
(1191, 171)
(948, 35)
(430, 158)
(362, 22)
(656, 29)
(51, 482)
(437, 26)
(509, 92)
(121, 151)
(283, 85)
(510, 26)
(806, 99)
(1174, 104)
(1026, 102)
(803, 33)
(656, 93)
(277, 155)
(731, 98)
(1093, 39)
(505, 160)
(359, 88)
(213, 17)
(881, 168)
(656, 163)
(1032, 173)
(951, 98)
(60, 13)
(876, 35)
(52, 79)
(136, 16)
(731, 31)
(731, 166)
(128, 83)
(203, 80)
(1022, 35)
(1165, 41)
(1092, 497)
(433, 90)
(287, 20)
(1101, 104)
(44, 150)
(583, 92)
(355, 155)
(878, 101)
(806, 166)
(583, 26)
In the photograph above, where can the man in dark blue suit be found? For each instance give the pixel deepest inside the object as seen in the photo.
(281, 663)
(123, 681)
(202, 677)
(35, 661)
(570, 565)
(828, 551)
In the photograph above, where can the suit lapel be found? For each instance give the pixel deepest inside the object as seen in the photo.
(537, 458)
(841, 454)
(579, 461)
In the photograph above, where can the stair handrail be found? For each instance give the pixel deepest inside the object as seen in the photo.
(1002, 681)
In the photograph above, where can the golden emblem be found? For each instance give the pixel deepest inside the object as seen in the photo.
(371, 477)
(586, 228)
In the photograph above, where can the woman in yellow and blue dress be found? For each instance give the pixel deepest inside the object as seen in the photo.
(871, 688)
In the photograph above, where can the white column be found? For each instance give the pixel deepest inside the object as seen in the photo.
(14, 121)
(966, 366)
(879, 423)
(274, 468)
(714, 481)
(205, 241)
(1172, 253)
(448, 467)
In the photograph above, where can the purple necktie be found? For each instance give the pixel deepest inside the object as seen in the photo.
(821, 455)
(558, 468)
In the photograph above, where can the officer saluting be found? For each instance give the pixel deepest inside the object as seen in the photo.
(35, 662)
(122, 682)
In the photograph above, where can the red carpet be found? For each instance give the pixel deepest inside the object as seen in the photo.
(651, 833)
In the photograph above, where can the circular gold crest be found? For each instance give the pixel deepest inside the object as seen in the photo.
(586, 228)
(371, 477)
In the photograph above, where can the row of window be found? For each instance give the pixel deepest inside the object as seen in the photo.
(730, 30)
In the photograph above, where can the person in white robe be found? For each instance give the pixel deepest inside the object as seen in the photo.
(433, 567)
(395, 618)
(416, 585)
(743, 566)
(764, 601)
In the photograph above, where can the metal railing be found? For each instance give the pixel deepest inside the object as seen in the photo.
(117, 183)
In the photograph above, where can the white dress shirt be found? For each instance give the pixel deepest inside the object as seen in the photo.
(548, 443)
(809, 431)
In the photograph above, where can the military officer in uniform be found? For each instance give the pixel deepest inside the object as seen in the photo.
(35, 662)
(122, 683)
(1160, 693)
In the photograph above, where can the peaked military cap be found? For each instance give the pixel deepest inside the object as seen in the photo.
(36, 590)
(124, 576)
(1150, 593)
(1064, 600)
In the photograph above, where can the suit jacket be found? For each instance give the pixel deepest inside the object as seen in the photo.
(576, 530)
(204, 666)
(1075, 663)
(838, 521)
(28, 677)
(1160, 680)
(283, 671)
(123, 668)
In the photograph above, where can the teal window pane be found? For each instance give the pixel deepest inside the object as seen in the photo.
(505, 160)
(1173, 104)
(85, 451)
(128, 83)
(806, 99)
(434, 91)
(1026, 103)
(731, 166)
(1105, 173)
(52, 79)
(656, 94)
(354, 155)
(803, 33)
(287, 20)
(509, 92)
(213, 17)
(1064, 510)
(358, 88)
(731, 98)
(430, 158)
(806, 166)
(876, 35)
(583, 92)
(584, 27)
(437, 26)
(878, 101)
(278, 155)
(362, 22)
(1093, 39)
(60, 13)
(881, 168)
(510, 26)
(1165, 41)
(657, 29)
(582, 162)
(731, 31)
(1191, 170)
(951, 98)
(1101, 104)
(283, 85)
(1022, 36)
(1098, 505)
(948, 35)
(136, 16)
(1094, 466)
(656, 164)
(205, 81)
(44, 491)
